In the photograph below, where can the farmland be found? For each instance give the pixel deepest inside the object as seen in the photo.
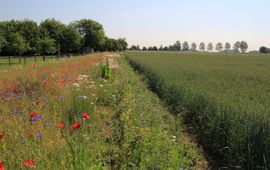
(224, 97)
(85, 113)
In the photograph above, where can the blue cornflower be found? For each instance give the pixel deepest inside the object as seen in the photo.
(39, 135)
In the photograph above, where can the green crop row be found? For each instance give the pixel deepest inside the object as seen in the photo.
(226, 97)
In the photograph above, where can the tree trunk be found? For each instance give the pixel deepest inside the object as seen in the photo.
(9, 60)
(24, 59)
(43, 57)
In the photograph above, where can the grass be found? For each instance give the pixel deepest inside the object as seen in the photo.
(4, 60)
(122, 124)
(226, 97)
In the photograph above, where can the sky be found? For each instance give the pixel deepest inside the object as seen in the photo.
(157, 22)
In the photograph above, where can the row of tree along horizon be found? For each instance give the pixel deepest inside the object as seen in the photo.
(239, 46)
(50, 37)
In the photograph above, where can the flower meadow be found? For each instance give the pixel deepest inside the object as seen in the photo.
(42, 112)
(68, 114)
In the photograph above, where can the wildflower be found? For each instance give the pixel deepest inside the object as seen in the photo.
(60, 125)
(2, 166)
(2, 136)
(39, 135)
(76, 125)
(33, 114)
(86, 116)
(33, 119)
(39, 117)
(29, 163)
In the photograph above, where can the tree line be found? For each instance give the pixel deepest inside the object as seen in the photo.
(26, 37)
(239, 46)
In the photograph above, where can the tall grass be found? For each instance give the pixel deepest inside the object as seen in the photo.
(227, 98)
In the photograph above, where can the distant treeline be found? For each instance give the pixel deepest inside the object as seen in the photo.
(239, 46)
(26, 37)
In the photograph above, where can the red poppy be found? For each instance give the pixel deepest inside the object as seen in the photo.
(2, 166)
(29, 163)
(33, 114)
(2, 136)
(76, 125)
(60, 125)
(86, 116)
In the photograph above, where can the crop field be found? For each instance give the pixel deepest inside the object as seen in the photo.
(225, 97)
(85, 113)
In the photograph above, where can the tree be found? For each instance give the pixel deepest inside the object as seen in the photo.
(227, 46)
(219, 46)
(236, 46)
(31, 33)
(264, 50)
(135, 47)
(92, 33)
(177, 46)
(47, 46)
(166, 48)
(202, 46)
(144, 49)
(154, 48)
(70, 40)
(16, 44)
(123, 43)
(3, 40)
(54, 29)
(185, 46)
(194, 46)
(160, 48)
(171, 48)
(243, 46)
(210, 46)
(150, 48)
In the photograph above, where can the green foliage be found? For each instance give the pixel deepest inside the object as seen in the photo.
(70, 40)
(185, 46)
(3, 40)
(219, 46)
(24, 37)
(202, 46)
(210, 46)
(47, 46)
(30, 31)
(227, 98)
(243, 46)
(142, 129)
(106, 71)
(264, 50)
(16, 44)
(92, 33)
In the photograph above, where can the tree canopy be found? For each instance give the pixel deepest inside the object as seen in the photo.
(26, 37)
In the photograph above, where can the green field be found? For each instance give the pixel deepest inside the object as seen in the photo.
(227, 98)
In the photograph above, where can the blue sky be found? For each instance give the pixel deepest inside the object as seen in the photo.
(156, 22)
